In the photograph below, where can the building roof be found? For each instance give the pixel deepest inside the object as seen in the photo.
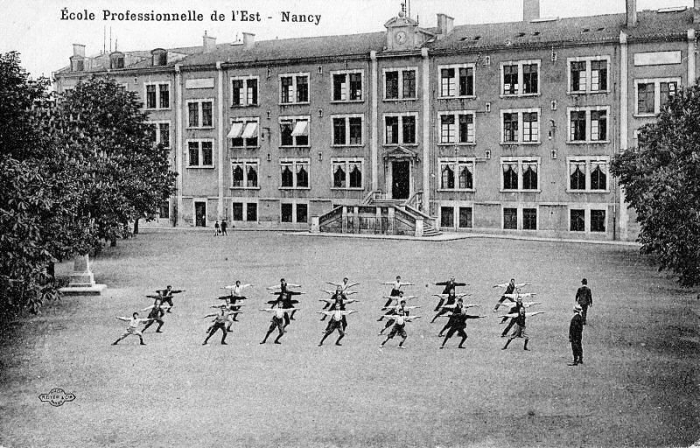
(652, 25)
(289, 49)
(571, 30)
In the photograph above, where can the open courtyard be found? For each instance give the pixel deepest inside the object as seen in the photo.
(639, 385)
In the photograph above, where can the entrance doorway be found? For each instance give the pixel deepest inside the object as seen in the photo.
(400, 179)
(200, 214)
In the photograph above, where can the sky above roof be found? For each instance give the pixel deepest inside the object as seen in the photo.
(35, 28)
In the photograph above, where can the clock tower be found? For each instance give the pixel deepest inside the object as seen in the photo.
(403, 34)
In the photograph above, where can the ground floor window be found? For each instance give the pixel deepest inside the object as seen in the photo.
(530, 219)
(465, 218)
(298, 213)
(302, 212)
(597, 220)
(447, 217)
(164, 211)
(577, 220)
(510, 218)
(287, 212)
(252, 211)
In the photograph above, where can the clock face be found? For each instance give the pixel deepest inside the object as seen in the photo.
(401, 37)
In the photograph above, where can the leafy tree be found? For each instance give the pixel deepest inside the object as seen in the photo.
(39, 191)
(130, 176)
(661, 179)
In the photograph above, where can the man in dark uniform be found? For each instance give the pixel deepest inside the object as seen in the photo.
(459, 324)
(335, 323)
(450, 300)
(510, 289)
(519, 330)
(167, 295)
(514, 310)
(284, 300)
(576, 336)
(155, 314)
(277, 322)
(449, 285)
(456, 311)
(584, 298)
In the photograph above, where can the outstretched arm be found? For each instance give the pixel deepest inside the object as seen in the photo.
(125, 319)
(147, 308)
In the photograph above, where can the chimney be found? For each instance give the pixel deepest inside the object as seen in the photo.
(531, 10)
(209, 43)
(79, 49)
(696, 12)
(631, 13)
(249, 40)
(446, 24)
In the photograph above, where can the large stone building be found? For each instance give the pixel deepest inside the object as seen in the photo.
(501, 128)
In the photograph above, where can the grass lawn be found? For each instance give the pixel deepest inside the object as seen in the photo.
(639, 385)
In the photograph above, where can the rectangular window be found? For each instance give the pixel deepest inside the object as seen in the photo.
(287, 212)
(520, 174)
(237, 211)
(347, 131)
(244, 92)
(347, 173)
(448, 82)
(302, 212)
(668, 89)
(520, 126)
(653, 94)
(447, 217)
(588, 74)
(577, 220)
(164, 211)
(520, 78)
(294, 131)
(588, 124)
(510, 128)
(456, 174)
(200, 113)
(160, 133)
(244, 173)
(244, 133)
(400, 129)
(294, 89)
(347, 86)
(456, 80)
(457, 128)
(400, 84)
(252, 212)
(201, 154)
(295, 174)
(529, 219)
(158, 96)
(465, 217)
(597, 220)
(531, 128)
(645, 98)
(588, 174)
(510, 218)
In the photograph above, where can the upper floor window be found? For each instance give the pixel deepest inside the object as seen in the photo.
(116, 60)
(294, 89)
(456, 174)
(159, 56)
(457, 127)
(520, 126)
(588, 124)
(588, 174)
(244, 173)
(520, 174)
(400, 129)
(158, 96)
(200, 113)
(347, 130)
(456, 80)
(347, 86)
(295, 173)
(294, 131)
(160, 132)
(347, 174)
(244, 91)
(652, 94)
(245, 132)
(520, 78)
(201, 154)
(400, 84)
(589, 74)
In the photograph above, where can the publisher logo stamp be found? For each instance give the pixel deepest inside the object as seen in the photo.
(56, 397)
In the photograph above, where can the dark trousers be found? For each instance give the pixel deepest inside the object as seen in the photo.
(217, 326)
(157, 319)
(577, 349)
(583, 314)
(508, 327)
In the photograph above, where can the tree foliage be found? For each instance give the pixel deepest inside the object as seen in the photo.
(71, 176)
(661, 180)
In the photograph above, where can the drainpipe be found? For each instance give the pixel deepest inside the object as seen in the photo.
(624, 101)
(179, 149)
(220, 126)
(374, 117)
(426, 128)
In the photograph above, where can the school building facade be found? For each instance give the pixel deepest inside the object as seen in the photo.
(499, 128)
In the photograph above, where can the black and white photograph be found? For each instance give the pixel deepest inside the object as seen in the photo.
(367, 223)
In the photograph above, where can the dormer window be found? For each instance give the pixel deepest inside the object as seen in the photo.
(160, 57)
(116, 60)
(77, 64)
